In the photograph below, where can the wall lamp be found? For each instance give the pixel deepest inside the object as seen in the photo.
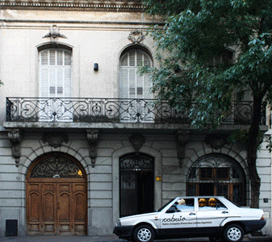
(95, 66)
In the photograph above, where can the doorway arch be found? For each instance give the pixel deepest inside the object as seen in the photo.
(136, 184)
(56, 196)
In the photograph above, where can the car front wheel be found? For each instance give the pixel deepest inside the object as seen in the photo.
(144, 233)
(233, 233)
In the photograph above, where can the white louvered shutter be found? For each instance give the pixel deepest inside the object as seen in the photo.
(55, 78)
(133, 85)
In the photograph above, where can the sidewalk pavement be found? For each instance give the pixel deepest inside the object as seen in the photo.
(109, 238)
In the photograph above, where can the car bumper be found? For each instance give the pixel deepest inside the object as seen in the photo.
(253, 225)
(123, 231)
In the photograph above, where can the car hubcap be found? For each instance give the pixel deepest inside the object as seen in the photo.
(234, 234)
(144, 234)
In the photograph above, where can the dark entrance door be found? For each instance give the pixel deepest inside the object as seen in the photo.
(136, 184)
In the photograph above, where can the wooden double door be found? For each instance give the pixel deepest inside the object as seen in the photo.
(56, 206)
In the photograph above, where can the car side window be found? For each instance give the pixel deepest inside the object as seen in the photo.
(210, 204)
(186, 205)
(182, 205)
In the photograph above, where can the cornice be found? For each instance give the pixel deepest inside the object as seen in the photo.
(62, 5)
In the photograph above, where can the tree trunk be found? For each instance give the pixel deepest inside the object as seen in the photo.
(252, 149)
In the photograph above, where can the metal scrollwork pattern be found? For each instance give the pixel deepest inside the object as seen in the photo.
(137, 162)
(113, 111)
(56, 167)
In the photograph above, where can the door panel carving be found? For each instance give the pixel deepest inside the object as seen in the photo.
(48, 210)
(56, 196)
(34, 197)
(56, 208)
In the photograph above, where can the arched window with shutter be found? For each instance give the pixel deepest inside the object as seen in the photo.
(135, 89)
(55, 85)
(55, 72)
(132, 84)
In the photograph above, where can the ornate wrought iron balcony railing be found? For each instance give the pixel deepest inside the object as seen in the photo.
(21, 109)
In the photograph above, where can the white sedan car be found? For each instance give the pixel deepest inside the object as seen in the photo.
(213, 217)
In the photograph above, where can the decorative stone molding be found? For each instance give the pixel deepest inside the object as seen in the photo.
(55, 139)
(182, 138)
(114, 6)
(136, 36)
(137, 141)
(216, 141)
(15, 137)
(54, 34)
(92, 136)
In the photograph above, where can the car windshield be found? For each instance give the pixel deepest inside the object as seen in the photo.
(165, 205)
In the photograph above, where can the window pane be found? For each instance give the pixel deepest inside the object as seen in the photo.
(222, 173)
(146, 61)
(44, 57)
(132, 58)
(124, 61)
(60, 57)
(139, 91)
(52, 57)
(139, 58)
(206, 189)
(192, 173)
(223, 190)
(52, 90)
(67, 58)
(191, 190)
(205, 173)
(60, 90)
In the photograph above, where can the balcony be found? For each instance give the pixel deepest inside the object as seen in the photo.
(109, 110)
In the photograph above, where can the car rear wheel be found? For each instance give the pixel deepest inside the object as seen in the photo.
(233, 233)
(144, 233)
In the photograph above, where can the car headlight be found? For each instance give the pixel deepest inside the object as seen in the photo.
(118, 222)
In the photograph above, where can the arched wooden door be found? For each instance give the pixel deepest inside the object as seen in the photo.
(56, 196)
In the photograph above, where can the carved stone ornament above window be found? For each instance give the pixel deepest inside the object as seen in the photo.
(136, 36)
(55, 139)
(54, 33)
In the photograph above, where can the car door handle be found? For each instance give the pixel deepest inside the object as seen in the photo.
(225, 212)
(191, 213)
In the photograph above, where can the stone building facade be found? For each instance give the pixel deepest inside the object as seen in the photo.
(82, 141)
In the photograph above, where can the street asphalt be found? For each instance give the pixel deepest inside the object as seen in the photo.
(110, 238)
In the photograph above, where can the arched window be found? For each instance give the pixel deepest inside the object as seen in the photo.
(132, 84)
(218, 175)
(55, 72)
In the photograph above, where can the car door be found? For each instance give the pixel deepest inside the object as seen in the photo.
(179, 219)
(210, 214)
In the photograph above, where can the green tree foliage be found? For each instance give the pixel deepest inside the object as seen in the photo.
(195, 65)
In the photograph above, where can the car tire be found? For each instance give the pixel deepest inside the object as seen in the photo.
(144, 233)
(233, 233)
(216, 239)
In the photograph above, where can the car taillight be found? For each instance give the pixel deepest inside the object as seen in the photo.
(262, 218)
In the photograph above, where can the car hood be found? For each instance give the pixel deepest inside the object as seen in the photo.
(139, 216)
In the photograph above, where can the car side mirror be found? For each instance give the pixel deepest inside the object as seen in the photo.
(171, 210)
